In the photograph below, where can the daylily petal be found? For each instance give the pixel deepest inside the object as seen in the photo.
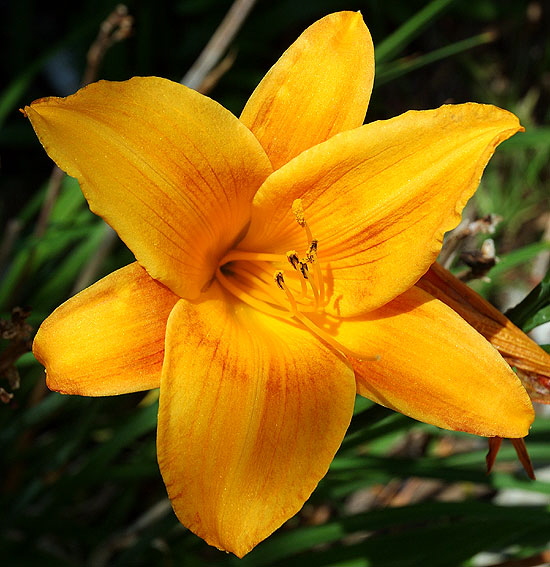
(252, 411)
(435, 368)
(379, 198)
(531, 362)
(320, 86)
(109, 338)
(170, 170)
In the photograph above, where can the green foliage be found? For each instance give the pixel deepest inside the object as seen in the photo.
(534, 310)
(80, 483)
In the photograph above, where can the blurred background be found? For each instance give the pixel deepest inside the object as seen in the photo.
(79, 482)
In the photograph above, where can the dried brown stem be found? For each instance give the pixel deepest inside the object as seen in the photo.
(214, 50)
(18, 332)
(484, 225)
(202, 76)
(117, 27)
(11, 233)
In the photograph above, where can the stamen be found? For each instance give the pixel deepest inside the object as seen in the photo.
(245, 297)
(310, 325)
(254, 279)
(318, 287)
(311, 255)
(234, 255)
(292, 257)
(311, 258)
(279, 279)
(311, 281)
(298, 210)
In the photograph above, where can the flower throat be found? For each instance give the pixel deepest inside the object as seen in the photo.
(292, 294)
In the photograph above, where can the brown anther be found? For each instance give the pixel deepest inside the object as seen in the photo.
(279, 279)
(304, 270)
(292, 257)
(311, 255)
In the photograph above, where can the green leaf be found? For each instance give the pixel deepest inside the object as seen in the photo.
(394, 44)
(534, 310)
(395, 69)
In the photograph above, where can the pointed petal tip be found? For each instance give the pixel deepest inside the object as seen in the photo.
(448, 375)
(524, 458)
(318, 88)
(124, 142)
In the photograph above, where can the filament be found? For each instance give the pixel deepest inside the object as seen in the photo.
(311, 326)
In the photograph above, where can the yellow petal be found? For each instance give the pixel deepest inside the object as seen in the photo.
(435, 368)
(252, 410)
(530, 360)
(109, 338)
(379, 198)
(169, 169)
(320, 86)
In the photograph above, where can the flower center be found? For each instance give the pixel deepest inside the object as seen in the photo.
(284, 286)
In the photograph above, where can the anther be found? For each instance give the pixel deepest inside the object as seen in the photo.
(311, 255)
(299, 215)
(279, 280)
(298, 210)
(292, 257)
(304, 270)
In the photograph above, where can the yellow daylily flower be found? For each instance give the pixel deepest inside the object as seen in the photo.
(276, 261)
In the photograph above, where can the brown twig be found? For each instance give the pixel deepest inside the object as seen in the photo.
(484, 225)
(213, 52)
(52, 192)
(202, 76)
(211, 80)
(103, 554)
(117, 27)
(11, 233)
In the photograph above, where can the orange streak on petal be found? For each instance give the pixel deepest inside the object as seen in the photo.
(320, 86)
(532, 362)
(379, 198)
(170, 170)
(109, 338)
(435, 368)
(252, 410)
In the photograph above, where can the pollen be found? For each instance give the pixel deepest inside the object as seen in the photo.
(298, 210)
(292, 257)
